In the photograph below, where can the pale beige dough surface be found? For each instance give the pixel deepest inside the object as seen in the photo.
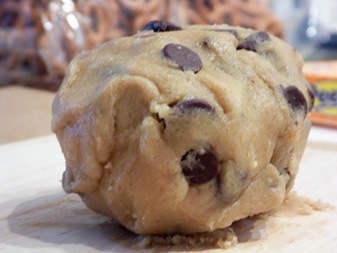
(131, 121)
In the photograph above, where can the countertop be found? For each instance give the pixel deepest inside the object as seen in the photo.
(24, 113)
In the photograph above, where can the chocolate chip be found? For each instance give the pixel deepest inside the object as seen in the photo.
(295, 98)
(252, 42)
(161, 26)
(184, 57)
(200, 166)
(194, 104)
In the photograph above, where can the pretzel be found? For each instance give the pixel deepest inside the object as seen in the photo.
(247, 13)
(96, 19)
(44, 31)
(34, 38)
(140, 12)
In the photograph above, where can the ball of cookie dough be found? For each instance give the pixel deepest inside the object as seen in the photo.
(183, 129)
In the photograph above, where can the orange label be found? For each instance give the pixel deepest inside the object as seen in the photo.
(323, 78)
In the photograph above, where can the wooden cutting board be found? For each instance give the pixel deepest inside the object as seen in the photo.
(37, 216)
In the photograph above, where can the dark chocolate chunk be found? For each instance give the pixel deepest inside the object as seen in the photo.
(194, 104)
(295, 98)
(161, 26)
(200, 166)
(183, 56)
(252, 42)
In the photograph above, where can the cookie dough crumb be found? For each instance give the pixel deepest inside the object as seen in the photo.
(300, 205)
(222, 239)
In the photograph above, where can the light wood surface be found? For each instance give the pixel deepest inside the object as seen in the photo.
(24, 113)
(37, 216)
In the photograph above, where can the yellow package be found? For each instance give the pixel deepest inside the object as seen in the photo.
(322, 75)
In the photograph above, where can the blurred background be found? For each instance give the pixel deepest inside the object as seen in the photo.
(310, 26)
(38, 39)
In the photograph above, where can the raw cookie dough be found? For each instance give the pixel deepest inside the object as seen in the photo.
(183, 129)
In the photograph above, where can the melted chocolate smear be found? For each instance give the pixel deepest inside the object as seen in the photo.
(194, 104)
(184, 57)
(252, 42)
(295, 98)
(161, 26)
(200, 166)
